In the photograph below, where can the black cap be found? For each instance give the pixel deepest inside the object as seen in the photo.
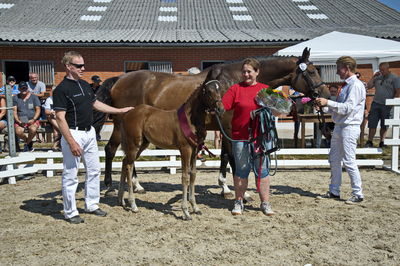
(11, 78)
(96, 78)
(22, 84)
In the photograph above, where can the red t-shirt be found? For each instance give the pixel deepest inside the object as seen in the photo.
(240, 99)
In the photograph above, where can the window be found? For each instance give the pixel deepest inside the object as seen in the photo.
(328, 73)
(208, 63)
(151, 65)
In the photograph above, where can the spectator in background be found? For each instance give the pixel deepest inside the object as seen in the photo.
(333, 90)
(26, 115)
(36, 86)
(95, 86)
(3, 114)
(297, 108)
(365, 120)
(51, 117)
(358, 75)
(387, 86)
(10, 81)
(96, 83)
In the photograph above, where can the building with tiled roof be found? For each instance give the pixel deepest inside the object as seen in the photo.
(116, 36)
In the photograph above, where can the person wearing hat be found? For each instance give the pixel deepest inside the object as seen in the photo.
(10, 81)
(26, 114)
(96, 83)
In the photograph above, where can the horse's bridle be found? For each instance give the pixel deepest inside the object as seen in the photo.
(302, 70)
(212, 101)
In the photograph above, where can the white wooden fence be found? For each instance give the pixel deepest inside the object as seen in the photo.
(169, 159)
(395, 141)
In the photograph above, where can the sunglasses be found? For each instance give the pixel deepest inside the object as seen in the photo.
(77, 65)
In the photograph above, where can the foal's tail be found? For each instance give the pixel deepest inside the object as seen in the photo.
(103, 94)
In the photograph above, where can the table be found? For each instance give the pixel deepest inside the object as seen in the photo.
(310, 118)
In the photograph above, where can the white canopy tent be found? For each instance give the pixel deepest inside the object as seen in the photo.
(327, 48)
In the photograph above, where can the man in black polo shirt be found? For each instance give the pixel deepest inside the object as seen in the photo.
(73, 102)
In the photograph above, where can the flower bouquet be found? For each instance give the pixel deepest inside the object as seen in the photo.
(275, 100)
(306, 101)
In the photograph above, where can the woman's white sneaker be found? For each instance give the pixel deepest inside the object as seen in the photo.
(237, 208)
(266, 208)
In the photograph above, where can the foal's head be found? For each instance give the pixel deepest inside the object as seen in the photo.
(211, 97)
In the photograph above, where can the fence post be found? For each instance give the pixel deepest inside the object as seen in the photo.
(11, 180)
(395, 141)
(395, 134)
(172, 170)
(50, 173)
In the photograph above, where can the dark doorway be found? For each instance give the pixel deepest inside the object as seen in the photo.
(18, 69)
(205, 64)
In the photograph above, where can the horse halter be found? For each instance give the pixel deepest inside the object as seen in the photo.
(302, 69)
(213, 102)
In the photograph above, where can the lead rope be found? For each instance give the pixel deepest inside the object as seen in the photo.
(265, 122)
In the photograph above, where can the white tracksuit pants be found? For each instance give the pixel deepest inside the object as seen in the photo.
(343, 149)
(88, 143)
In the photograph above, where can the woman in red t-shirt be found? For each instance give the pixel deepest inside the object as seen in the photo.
(240, 99)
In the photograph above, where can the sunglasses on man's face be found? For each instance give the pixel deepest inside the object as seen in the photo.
(77, 65)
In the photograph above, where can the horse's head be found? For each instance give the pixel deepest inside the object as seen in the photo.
(211, 97)
(307, 79)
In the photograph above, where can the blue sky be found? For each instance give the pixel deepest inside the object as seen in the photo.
(395, 4)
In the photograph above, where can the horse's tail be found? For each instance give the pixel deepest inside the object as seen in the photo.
(103, 94)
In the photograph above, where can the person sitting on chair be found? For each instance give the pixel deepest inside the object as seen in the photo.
(26, 115)
(3, 114)
(10, 81)
(51, 117)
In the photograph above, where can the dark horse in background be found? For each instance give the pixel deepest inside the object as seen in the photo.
(169, 91)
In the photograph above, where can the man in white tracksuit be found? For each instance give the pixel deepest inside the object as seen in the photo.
(347, 113)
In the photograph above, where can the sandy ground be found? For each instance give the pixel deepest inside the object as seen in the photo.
(303, 231)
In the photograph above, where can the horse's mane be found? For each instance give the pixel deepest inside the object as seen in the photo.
(194, 95)
(260, 58)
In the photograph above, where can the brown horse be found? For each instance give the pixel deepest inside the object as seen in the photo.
(169, 91)
(142, 126)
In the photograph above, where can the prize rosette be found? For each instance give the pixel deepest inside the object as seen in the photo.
(275, 100)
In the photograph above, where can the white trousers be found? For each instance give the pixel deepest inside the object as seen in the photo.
(88, 143)
(343, 149)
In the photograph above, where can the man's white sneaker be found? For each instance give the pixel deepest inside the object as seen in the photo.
(266, 208)
(237, 208)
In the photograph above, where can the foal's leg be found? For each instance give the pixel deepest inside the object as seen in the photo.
(110, 151)
(226, 192)
(121, 189)
(185, 160)
(192, 198)
(137, 187)
(130, 164)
